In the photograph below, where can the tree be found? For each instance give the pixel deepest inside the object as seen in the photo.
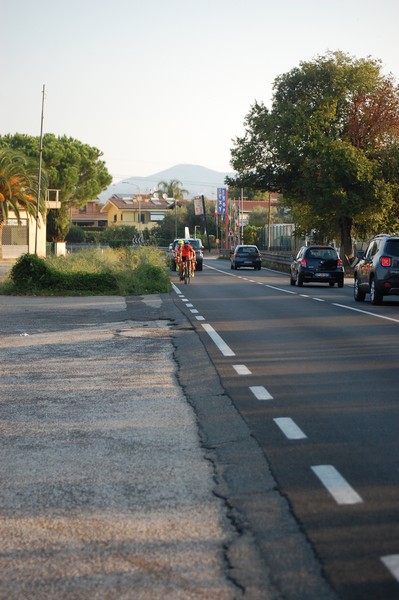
(172, 188)
(72, 167)
(259, 216)
(19, 187)
(330, 144)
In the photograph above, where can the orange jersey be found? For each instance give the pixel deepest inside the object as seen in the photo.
(187, 250)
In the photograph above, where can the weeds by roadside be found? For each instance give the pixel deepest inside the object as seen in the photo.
(106, 271)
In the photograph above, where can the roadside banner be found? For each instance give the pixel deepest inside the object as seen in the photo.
(222, 194)
(198, 205)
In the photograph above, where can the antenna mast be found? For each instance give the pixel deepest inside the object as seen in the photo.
(40, 167)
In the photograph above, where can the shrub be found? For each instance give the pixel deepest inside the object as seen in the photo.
(150, 279)
(31, 272)
(75, 235)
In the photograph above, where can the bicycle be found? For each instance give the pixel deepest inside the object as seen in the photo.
(186, 272)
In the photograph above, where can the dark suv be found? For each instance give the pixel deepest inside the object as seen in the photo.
(199, 251)
(377, 272)
(317, 263)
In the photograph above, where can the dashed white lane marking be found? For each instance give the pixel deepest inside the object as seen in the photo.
(189, 305)
(241, 370)
(273, 287)
(260, 392)
(318, 299)
(220, 343)
(193, 310)
(199, 318)
(338, 487)
(290, 428)
(392, 564)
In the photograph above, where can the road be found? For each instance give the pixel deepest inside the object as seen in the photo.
(315, 376)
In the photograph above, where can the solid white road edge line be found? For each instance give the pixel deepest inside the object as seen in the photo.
(220, 343)
(260, 392)
(338, 487)
(365, 312)
(392, 564)
(290, 428)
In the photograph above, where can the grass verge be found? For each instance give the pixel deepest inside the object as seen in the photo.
(123, 271)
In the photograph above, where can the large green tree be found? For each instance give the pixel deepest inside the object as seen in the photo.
(19, 189)
(330, 144)
(74, 168)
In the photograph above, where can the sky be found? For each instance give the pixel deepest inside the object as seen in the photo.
(156, 83)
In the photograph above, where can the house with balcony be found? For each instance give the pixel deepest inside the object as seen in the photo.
(89, 215)
(141, 210)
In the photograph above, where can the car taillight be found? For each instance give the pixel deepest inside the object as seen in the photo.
(303, 262)
(386, 261)
(340, 263)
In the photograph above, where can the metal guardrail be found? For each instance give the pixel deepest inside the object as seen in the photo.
(280, 261)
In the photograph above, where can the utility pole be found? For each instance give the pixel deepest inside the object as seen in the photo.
(269, 226)
(241, 217)
(40, 168)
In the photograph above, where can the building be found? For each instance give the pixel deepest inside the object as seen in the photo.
(24, 236)
(144, 210)
(89, 215)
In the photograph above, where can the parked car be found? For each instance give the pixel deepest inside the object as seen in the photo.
(199, 251)
(317, 263)
(246, 255)
(377, 272)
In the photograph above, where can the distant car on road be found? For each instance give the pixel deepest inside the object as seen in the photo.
(199, 251)
(317, 263)
(377, 272)
(246, 255)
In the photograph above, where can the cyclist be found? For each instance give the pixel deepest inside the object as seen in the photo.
(187, 252)
(193, 261)
(177, 252)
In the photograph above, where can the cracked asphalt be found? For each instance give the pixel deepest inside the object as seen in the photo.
(126, 472)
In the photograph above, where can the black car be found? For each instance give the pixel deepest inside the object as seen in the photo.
(199, 251)
(317, 263)
(246, 255)
(377, 272)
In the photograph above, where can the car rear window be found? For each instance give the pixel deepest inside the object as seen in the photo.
(392, 247)
(251, 250)
(324, 253)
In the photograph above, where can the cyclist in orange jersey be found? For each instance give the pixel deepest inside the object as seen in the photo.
(186, 256)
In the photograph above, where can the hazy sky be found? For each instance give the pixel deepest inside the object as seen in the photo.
(154, 83)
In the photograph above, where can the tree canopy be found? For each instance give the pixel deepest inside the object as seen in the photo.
(330, 144)
(172, 188)
(74, 168)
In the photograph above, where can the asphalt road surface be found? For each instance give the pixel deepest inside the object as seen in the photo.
(315, 377)
(126, 471)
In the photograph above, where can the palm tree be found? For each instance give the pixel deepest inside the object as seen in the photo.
(18, 187)
(172, 188)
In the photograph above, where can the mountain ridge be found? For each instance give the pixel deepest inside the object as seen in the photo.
(196, 179)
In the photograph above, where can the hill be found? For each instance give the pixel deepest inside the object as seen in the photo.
(196, 179)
